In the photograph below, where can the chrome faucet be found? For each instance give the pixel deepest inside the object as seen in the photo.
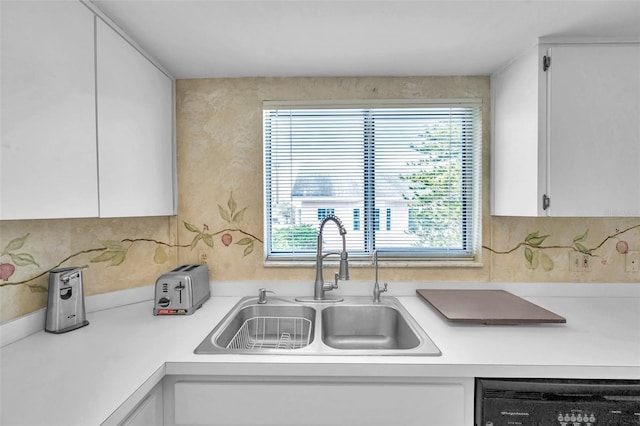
(376, 286)
(320, 287)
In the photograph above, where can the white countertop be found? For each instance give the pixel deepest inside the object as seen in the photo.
(82, 377)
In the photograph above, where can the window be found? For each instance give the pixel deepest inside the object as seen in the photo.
(356, 219)
(421, 159)
(324, 212)
(388, 219)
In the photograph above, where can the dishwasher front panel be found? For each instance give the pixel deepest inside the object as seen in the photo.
(557, 402)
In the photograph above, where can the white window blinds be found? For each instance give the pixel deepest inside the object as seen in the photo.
(404, 178)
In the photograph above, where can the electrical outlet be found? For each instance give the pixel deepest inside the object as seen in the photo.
(579, 262)
(203, 257)
(632, 260)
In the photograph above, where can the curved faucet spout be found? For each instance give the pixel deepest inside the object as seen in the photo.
(341, 229)
(343, 273)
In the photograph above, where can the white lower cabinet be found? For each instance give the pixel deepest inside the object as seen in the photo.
(149, 411)
(317, 401)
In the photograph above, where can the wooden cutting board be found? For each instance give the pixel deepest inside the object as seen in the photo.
(487, 307)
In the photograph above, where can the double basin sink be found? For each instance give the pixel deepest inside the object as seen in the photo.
(355, 326)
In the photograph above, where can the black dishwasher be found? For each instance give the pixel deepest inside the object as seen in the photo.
(556, 402)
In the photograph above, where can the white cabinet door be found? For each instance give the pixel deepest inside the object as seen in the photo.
(135, 130)
(149, 412)
(594, 130)
(516, 174)
(48, 162)
(315, 401)
(571, 133)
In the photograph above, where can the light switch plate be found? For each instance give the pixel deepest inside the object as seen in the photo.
(579, 262)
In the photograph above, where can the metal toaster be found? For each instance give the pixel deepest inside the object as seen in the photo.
(182, 290)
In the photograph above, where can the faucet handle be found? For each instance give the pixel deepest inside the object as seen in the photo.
(377, 291)
(333, 285)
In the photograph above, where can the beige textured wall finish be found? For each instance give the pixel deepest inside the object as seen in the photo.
(220, 153)
(602, 238)
(121, 253)
(219, 138)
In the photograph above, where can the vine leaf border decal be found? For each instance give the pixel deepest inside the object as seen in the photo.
(535, 256)
(114, 252)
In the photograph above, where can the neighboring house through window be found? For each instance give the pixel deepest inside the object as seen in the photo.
(324, 212)
(356, 219)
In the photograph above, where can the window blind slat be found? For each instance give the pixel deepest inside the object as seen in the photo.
(405, 181)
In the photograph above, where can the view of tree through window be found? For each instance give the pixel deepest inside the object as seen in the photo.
(403, 179)
(435, 188)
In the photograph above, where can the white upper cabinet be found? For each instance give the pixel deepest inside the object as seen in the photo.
(135, 130)
(569, 135)
(87, 120)
(48, 162)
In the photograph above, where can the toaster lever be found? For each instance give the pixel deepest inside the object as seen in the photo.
(179, 289)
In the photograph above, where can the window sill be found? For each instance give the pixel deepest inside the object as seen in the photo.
(400, 263)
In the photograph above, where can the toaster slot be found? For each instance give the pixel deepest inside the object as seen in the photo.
(185, 268)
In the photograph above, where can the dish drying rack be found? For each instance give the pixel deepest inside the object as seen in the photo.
(272, 333)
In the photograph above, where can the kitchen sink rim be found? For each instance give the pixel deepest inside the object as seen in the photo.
(316, 346)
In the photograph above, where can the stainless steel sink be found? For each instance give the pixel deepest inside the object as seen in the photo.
(366, 327)
(251, 327)
(355, 326)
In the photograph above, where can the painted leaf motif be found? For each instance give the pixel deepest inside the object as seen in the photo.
(535, 260)
(15, 244)
(581, 238)
(248, 249)
(224, 214)
(245, 241)
(531, 235)
(208, 239)
(104, 257)
(536, 241)
(582, 249)
(23, 259)
(112, 245)
(160, 256)
(190, 227)
(232, 204)
(238, 217)
(546, 262)
(195, 240)
(528, 254)
(118, 258)
(37, 289)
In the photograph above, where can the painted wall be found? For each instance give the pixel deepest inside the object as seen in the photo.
(219, 135)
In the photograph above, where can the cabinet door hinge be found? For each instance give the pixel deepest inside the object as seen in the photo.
(546, 62)
(546, 202)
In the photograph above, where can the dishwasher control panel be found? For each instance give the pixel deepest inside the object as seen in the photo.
(548, 402)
